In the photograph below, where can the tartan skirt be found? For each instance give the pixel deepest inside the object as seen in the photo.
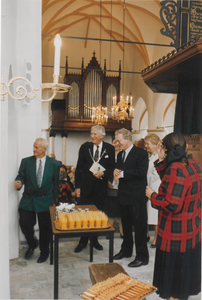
(178, 275)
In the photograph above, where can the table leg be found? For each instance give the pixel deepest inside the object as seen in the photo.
(111, 246)
(91, 249)
(51, 249)
(56, 268)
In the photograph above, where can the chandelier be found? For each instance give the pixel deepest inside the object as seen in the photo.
(99, 115)
(123, 110)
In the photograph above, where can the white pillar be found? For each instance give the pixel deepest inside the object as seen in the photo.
(64, 141)
(52, 143)
(160, 132)
(45, 134)
(64, 147)
(136, 136)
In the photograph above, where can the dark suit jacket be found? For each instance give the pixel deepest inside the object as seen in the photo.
(35, 198)
(132, 186)
(84, 179)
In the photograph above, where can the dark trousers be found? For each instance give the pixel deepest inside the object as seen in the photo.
(97, 198)
(135, 215)
(27, 222)
(84, 240)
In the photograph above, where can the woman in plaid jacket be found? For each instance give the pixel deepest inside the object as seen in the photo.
(177, 271)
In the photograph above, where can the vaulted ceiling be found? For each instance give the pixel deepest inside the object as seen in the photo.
(117, 30)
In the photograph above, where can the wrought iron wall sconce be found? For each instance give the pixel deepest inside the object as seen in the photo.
(23, 93)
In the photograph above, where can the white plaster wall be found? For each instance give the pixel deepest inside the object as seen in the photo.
(20, 123)
(7, 52)
(28, 49)
(4, 224)
(169, 118)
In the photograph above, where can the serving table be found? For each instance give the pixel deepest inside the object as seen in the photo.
(69, 233)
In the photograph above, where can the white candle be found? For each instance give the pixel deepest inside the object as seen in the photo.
(113, 114)
(57, 44)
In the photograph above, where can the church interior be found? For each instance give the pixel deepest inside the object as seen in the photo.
(141, 52)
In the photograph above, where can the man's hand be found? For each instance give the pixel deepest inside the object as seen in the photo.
(78, 193)
(117, 174)
(98, 174)
(73, 194)
(110, 185)
(148, 192)
(17, 184)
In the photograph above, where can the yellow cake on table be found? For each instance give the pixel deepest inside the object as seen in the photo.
(83, 219)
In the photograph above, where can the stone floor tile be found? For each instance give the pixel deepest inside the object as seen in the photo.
(29, 280)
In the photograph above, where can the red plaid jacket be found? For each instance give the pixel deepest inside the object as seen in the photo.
(179, 206)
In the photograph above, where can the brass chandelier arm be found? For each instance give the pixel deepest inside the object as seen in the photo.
(73, 108)
(88, 107)
(99, 114)
(91, 108)
(123, 110)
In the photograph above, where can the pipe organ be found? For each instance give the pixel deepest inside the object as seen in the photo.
(91, 87)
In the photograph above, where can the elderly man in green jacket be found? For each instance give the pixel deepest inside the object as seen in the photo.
(40, 176)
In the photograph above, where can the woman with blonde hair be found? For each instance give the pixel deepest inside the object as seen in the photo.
(151, 141)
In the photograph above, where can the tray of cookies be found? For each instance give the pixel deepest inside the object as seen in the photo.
(119, 287)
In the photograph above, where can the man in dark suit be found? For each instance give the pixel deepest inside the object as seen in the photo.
(91, 187)
(40, 176)
(131, 172)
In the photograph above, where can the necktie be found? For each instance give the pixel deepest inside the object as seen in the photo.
(123, 156)
(96, 156)
(39, 174)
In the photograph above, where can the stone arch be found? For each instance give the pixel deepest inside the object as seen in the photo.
(140, 108)
(164, 105)
(144, 123)
(140, 120)
(169, 115)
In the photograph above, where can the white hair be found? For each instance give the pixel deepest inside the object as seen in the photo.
(100, 128)
(43, 142)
